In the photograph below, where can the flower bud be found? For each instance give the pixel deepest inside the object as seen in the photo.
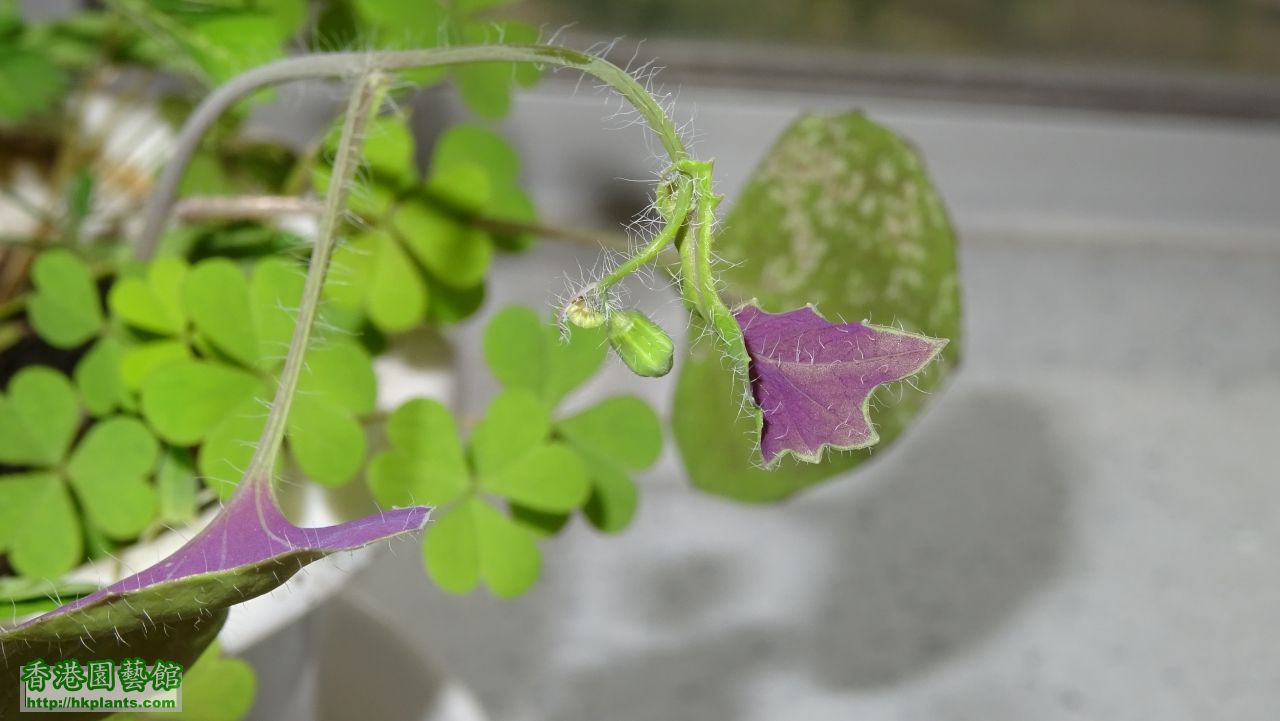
(580, 313)
(640, 343)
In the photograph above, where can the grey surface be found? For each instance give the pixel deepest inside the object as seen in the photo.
(1084, 526)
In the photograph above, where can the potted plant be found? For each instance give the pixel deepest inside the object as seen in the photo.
(222, 358)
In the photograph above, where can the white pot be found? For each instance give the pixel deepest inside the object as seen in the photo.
(278, 632)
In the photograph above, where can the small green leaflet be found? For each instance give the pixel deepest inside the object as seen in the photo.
(64, 309)
(108, 470)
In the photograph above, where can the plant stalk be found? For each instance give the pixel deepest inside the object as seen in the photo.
(363, 105)
(341, 65)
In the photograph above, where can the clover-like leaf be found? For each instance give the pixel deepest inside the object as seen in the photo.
(812, 379)
(473, 541)
(39, 529)
(64, 309)
(425, 463)
(326, 440)
(216, 294)
(99, 379)
(108, 471)
(374, 273)
(456, 254)
(514, 459)
(616, 435)
(153, 302)
(525, 352)
(840, 212)
(183, 401)
(38, 418)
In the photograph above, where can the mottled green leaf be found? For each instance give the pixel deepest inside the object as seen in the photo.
(840, 213)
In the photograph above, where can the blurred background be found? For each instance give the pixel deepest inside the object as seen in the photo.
(1083, 525)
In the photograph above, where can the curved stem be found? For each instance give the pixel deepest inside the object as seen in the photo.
(684, 201)
(341, 65)
(360, 110)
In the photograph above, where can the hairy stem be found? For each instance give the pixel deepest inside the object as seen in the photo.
(362, 107)
(340, 65)
(684, 200)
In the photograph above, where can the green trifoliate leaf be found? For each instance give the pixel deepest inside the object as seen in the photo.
(642, 345)
(64, 310)
(216, 296)
(39, 530)
(613, 494)
(140, 361)
(374, 273)
(38, 418)
(840, 213)
(98, 377)
(525, 352)
(456, 254)
(463, 187)
(623, 428)
(342, 372)
(183, 401)
(108, 471)
(451, 548)
(516, 422)
(450, 305)
(153, 302)
(612, 437)
(550, 477)
(472, 541)
(325, 439)
(514, 459)
(463, 145)
(425, 464)
(388, 150)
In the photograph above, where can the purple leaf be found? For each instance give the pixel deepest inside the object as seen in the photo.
(250, 530)
(813, 379)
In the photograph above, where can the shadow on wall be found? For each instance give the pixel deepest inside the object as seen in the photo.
(959, 528)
